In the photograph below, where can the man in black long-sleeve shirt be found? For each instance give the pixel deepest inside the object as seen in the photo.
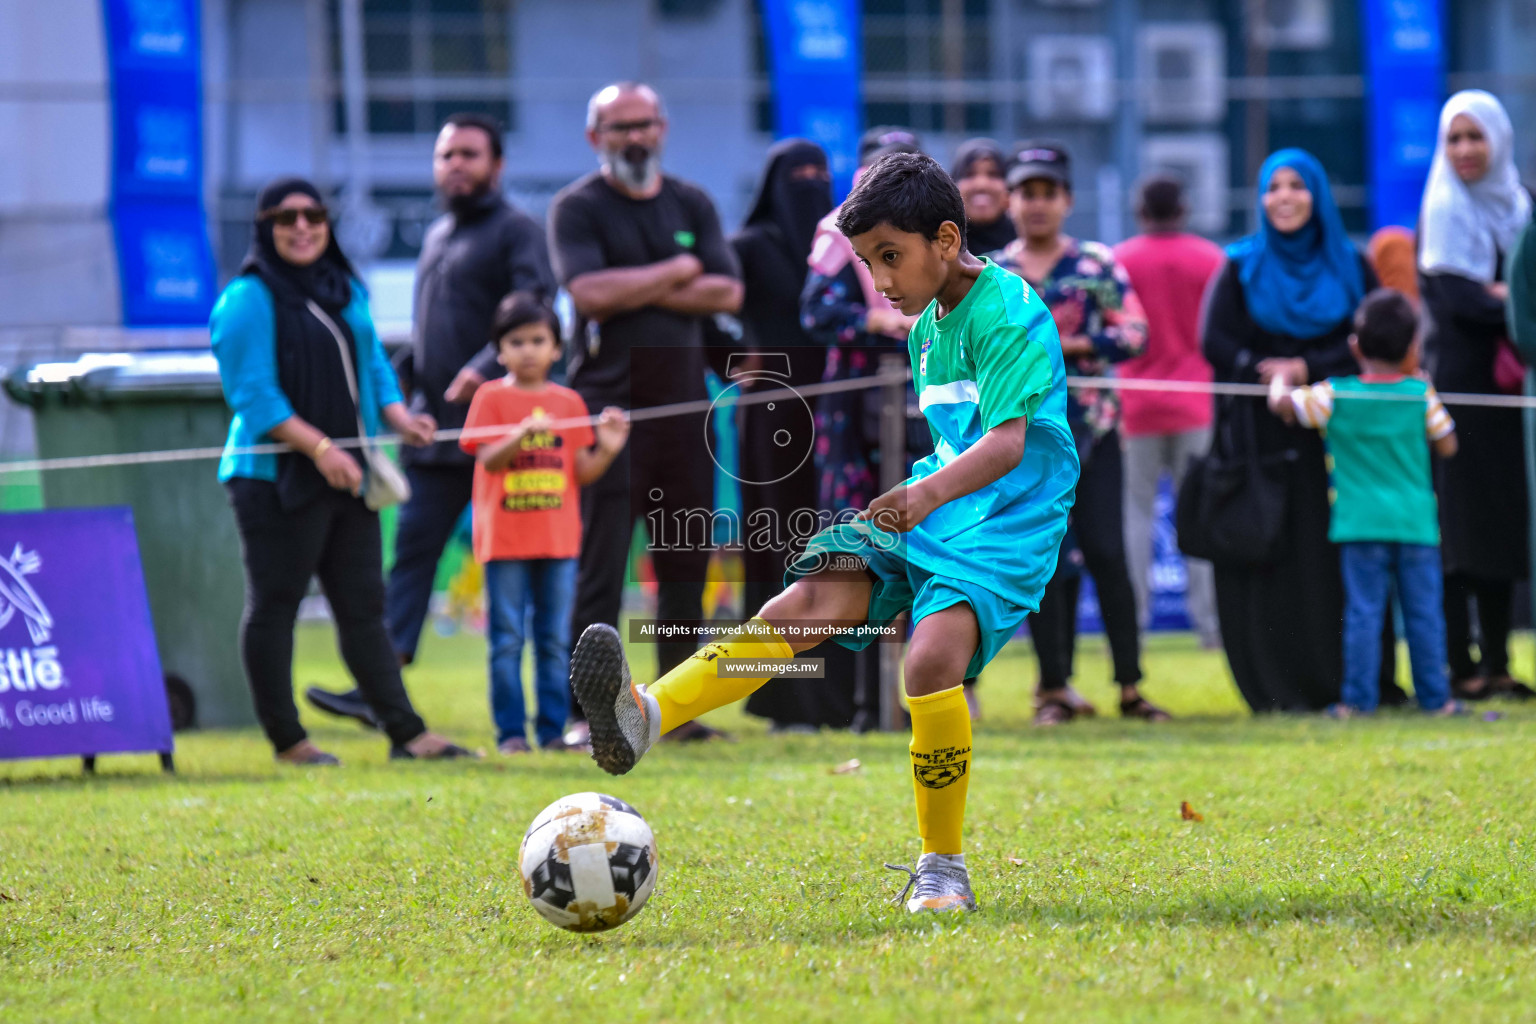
(472, 256)
(477, 252)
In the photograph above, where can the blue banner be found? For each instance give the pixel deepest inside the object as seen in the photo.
(815, 60)
(1405, 80)
(164, 260)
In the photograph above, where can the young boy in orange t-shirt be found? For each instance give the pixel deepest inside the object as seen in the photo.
(527, 518)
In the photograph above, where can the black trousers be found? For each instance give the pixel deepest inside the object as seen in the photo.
(439, 495)
(1494, 611)
(779, 479)
(1282, 624)
(337, 539)
(664, 477)
(778, 476)
(1098, 523)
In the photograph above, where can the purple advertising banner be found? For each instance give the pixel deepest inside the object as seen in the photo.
(79, 672)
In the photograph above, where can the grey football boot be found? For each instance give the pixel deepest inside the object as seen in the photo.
(624, 719)
(940, 884)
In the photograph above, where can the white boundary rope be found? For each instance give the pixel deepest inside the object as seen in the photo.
(654, 412)
(1262, 391)
(768, 392)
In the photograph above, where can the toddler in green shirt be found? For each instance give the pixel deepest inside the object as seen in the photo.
(1378, 428)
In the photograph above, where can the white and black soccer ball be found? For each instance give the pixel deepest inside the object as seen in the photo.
(588, 862)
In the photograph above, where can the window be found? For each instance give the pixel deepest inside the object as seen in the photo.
(426, 59)
(916, 52)
(927, 64)
(686, 10)
(913, 37)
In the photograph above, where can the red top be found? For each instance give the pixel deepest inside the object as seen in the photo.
(532, 509)
(1169, 272)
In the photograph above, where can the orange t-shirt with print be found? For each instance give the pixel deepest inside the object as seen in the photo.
(532, 509)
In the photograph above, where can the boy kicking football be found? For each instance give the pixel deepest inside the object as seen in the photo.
(966, 545)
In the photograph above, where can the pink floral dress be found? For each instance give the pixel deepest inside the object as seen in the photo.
(1089, 294)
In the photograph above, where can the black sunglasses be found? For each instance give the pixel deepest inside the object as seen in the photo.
(289, 216)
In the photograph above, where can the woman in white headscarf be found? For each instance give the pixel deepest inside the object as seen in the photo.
(1474, 211)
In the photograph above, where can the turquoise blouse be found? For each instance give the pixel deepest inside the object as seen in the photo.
(242, 328)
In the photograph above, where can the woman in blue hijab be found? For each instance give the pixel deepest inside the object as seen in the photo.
(1284, 304)
(1301, 281)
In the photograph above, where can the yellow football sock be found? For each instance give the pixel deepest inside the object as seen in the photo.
(693, 688)
(941, 766)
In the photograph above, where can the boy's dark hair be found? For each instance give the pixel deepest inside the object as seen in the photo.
(484, 122)
(520, 309)
(908, 191)
(1161, 199)
(1385, 325)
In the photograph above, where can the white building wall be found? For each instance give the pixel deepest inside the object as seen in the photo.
(57, 263)
(277, 117)
(271, 100)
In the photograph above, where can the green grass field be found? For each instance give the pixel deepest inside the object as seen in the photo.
(1378, 870)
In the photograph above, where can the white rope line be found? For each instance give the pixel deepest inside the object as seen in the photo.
(1201, 387)
(771, 391)
(765, 391)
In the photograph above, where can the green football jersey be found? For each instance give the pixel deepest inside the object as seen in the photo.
(1379, 477)
(995, 357)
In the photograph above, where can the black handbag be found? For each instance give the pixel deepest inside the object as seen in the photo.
(1233, 502)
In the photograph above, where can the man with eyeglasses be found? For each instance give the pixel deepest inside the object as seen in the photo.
(478, 251)
(645, 262)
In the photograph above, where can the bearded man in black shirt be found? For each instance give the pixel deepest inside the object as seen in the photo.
(644, 260)
(477, 252)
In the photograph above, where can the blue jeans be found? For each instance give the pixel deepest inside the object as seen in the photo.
(548, 585)
(1369, 570)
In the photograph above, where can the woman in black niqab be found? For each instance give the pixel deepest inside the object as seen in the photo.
(794, 194)
(778, 479)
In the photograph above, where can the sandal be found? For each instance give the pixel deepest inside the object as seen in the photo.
(1509, 686)
(310, 757)
(1053, 713)
(449, 752)
(1478, 688)
(1143, 709)
(1472, 688)
(1080, 706)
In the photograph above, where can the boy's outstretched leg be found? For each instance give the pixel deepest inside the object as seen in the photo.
(626, 719)
(942, 645)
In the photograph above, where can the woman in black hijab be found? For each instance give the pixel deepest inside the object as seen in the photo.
(288, 334)
(979, 171)
(778, 471)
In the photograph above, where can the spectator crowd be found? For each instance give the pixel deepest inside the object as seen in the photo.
(1351, 507)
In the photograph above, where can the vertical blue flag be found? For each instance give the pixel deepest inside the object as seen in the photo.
(815, 61)
(164, 261)
(1405, 79)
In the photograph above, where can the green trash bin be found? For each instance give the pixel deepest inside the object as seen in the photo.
(151, 401)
